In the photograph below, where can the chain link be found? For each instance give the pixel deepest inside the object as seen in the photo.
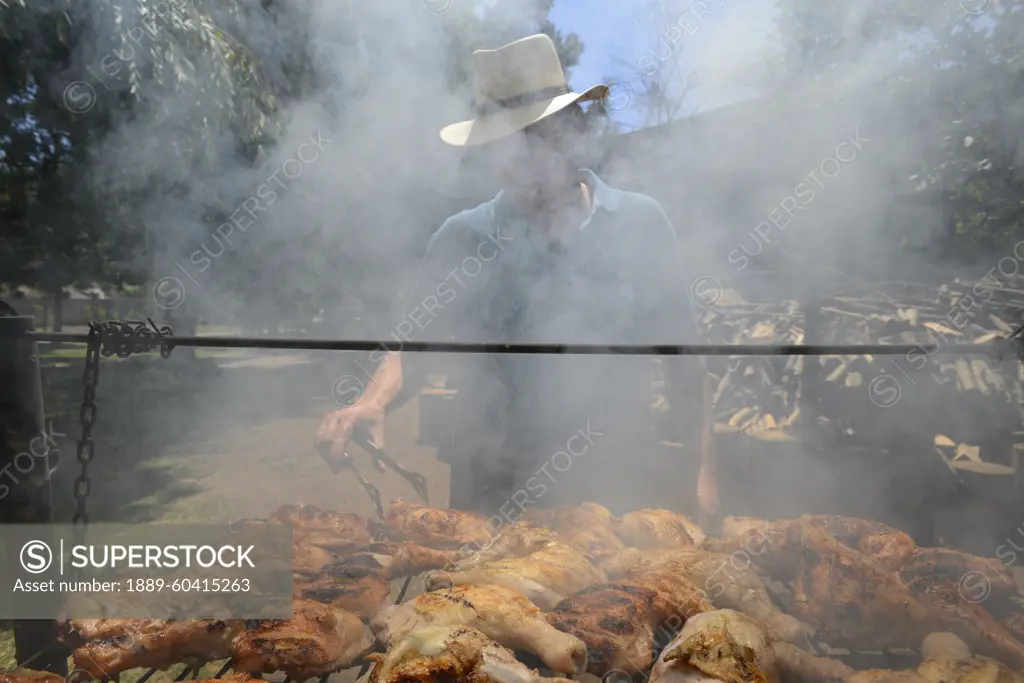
(108, 339)
(124, 338)
(87, 417)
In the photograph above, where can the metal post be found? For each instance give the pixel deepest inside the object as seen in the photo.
(810, 390)
(28, 497)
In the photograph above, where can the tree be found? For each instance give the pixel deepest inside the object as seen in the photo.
(132, 130)
(956, 67)
(76, 79)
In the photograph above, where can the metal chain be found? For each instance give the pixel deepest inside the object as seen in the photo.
(87, 417)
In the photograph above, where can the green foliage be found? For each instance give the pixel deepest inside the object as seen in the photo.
(86, 82)
(961, 75)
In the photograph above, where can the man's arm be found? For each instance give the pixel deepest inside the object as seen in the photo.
(395, 380)
(688, 384)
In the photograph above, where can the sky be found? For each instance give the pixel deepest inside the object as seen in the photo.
(623, 38)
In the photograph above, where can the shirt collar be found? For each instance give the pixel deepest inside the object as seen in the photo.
(602, 195)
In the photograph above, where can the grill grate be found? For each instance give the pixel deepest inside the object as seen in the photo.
(892, 659)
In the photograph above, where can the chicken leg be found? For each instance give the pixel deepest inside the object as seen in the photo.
(451, 653)
(499, 613)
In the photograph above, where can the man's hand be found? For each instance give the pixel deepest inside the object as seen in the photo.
(336, 429)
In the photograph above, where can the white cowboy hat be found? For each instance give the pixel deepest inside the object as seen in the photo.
(515, 86)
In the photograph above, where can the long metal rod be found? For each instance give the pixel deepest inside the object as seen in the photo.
(991, 348)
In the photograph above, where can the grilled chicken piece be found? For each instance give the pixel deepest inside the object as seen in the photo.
(308, 558)
(1014, 623)
(886, 547)
(451, 653)
(590, 528)
(963, 585)
(967, 670)
(500, 613)
(436, 528)
(887, 676)
(338, 532)
(360, 582)
(356, 583)
(728, 646)
(935, 566)
(647, 529)
(190, 640)
(856, 602)
(29, 676)
(316, 641)
(77, 632)
(406, 559)
(545, 577)
(718, 646)
(618, 621)
(946, 659)
(727, 579)
(517, 540)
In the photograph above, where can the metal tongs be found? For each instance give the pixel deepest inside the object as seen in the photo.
(361, 436)
(337, 465)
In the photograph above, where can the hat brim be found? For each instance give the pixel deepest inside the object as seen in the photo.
(486, 129)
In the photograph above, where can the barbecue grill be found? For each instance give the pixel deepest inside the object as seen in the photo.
(22, 409)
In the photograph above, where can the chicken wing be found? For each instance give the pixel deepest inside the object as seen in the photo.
(618, 621)
(728, 580)
(499, 613)
(545, 577)
(451, 653)
(434, 527)
(588, 527)
(647, 529)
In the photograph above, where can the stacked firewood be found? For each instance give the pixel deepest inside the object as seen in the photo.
(958, 399)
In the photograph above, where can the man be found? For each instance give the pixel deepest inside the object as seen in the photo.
(556, 256)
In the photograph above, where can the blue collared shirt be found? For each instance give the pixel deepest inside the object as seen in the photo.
(489, 275)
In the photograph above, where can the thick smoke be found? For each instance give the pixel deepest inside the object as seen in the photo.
(798, 177)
